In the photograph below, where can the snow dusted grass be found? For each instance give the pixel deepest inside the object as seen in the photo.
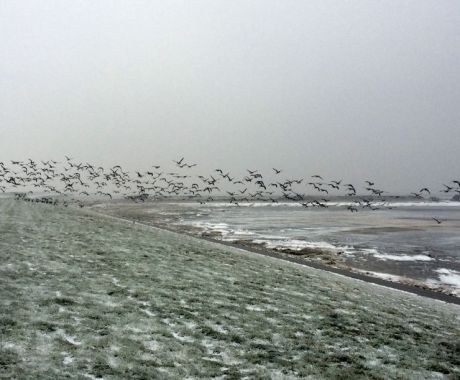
(83, 296)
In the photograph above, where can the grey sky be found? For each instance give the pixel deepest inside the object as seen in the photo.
(348, 89)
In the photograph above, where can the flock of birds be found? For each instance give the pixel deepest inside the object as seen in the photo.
(71, 181)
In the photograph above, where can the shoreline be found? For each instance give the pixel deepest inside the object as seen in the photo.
(413, 289)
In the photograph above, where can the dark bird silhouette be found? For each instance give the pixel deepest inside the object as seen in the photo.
(73, 177)
(179, 162)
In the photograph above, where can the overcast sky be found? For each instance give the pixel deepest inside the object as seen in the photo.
(347, 89)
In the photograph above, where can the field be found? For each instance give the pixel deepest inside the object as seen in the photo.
(87, 296)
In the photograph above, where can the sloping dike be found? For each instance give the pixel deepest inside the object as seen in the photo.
(85, 296)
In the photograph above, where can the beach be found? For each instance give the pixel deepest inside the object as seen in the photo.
(87, 296)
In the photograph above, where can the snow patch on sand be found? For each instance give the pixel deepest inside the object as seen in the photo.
(383, 276)
(449, 277)
(296, 244)
(383, 256)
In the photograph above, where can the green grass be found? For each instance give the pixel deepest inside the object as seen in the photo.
(84, 296)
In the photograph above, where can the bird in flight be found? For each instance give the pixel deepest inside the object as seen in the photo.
(179, 162)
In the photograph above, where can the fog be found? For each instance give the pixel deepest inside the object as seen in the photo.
(352, 90)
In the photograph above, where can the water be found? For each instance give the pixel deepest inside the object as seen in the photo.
(404, 241)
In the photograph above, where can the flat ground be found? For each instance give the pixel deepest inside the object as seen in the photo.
(87, 296)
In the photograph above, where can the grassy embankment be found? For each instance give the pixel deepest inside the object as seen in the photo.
(86, 296)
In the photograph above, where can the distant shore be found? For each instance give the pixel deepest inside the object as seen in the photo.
(414, 288)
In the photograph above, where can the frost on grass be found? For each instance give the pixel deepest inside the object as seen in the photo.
(83, 296)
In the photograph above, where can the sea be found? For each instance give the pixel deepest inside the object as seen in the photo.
(399, 242)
